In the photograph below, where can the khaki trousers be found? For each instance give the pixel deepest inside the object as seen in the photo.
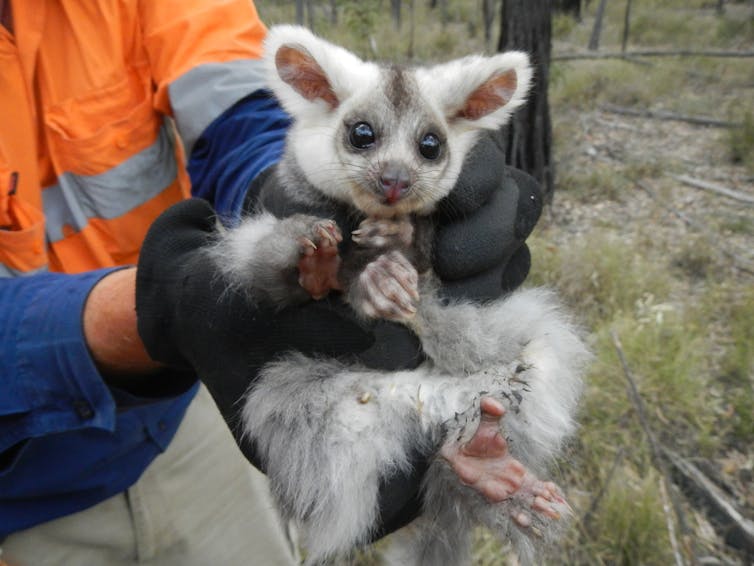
(199, 503)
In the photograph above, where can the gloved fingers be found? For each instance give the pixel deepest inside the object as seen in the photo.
(487, 285)
(325, 327)
(479, 179)
(182, 227)
(530, 202)
(395, 347)
(517, 270)
(479, 242)
(400, 497)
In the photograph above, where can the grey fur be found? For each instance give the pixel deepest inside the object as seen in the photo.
(328, 432)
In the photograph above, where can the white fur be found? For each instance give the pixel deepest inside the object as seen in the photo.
(442, 89)
(450, 84)
(232, 254)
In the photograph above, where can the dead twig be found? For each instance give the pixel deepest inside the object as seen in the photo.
(635, 399)
(671, 116)
(655, 450)
(666, 507)
(740, 530)
(714, 187)
(652, 53)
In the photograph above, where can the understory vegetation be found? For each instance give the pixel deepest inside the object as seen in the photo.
(660, 272)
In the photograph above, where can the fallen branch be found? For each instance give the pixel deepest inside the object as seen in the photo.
(714, 187)
(652, 53)
(670, 522)
(739, 529)
(656, 453)
(737, 262)
(664, 115)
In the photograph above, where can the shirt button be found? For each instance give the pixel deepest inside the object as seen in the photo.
(121, 143)
(162, 426)
(83, 409)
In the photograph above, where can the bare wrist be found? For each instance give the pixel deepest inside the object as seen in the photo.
(110, 328)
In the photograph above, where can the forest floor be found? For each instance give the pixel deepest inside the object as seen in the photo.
(668, 268)
(662, 274)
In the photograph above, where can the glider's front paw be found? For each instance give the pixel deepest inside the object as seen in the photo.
(319, 261)
(387, 288)
(384, 232)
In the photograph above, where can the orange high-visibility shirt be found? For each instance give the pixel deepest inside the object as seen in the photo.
(92, 95)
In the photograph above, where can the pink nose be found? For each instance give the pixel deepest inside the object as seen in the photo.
(395, 182)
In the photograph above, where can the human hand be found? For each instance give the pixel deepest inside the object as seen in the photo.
(480, 249)
(189, 319)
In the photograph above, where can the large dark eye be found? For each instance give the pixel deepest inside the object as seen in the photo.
(361, 136)
(429, 146)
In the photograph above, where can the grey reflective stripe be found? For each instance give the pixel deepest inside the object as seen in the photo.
(205, 92)
(6, 272)
(76, 199)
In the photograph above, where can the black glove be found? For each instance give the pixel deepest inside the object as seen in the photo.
(482, 225)
(189, 320)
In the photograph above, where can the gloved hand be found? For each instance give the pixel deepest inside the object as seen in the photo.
(480, 249)
(189, 320)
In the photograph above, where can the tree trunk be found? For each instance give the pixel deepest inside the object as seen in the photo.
(310, 14)
(300, 12)
(444, 15)
(395, 11)
(572, 7)
(333, 12)
(594, 40)
(488, 15)
(626, 26)
(527, 140)
(412, 29)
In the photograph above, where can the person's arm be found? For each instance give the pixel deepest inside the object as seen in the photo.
(109, 323)
(235, 151)
(50, 382)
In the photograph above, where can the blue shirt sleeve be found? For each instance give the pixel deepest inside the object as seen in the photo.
(242, 142)
(67, 440)
(49, 381)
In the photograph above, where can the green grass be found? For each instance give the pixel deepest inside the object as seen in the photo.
(741, 142)
(631, 525)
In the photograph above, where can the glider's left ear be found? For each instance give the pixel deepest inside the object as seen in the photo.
(482, 90)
